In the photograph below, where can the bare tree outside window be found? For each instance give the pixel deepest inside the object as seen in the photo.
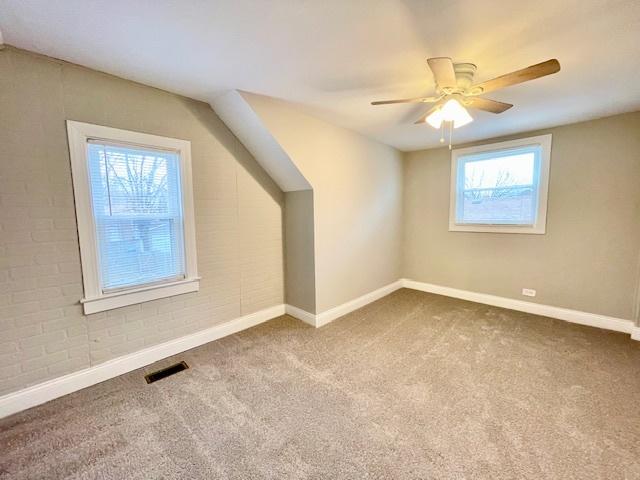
(138, 186)
(504, 183)
(497, 189)
(137, 204)
(473, 184)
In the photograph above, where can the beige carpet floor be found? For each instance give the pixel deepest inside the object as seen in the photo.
(412, 386)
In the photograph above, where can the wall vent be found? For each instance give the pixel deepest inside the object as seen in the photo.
(165, 372)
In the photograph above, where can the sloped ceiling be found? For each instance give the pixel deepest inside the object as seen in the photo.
(333, 57)
(243, 121)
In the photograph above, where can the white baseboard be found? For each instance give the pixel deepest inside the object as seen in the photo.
(336, 312)
(300, 314)
(573, 316)
(320, 319)
(57, 387)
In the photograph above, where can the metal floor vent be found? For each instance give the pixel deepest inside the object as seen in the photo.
(165, 372)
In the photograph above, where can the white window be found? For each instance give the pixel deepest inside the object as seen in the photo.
(134, 206)
(501, 187)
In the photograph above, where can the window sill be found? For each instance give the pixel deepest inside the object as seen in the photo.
(141, 295)
(493, 228)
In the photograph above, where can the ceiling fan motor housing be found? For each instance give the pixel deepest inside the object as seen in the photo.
(464, 78)
(464, 74)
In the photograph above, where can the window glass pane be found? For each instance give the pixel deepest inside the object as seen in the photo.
(138, 215)
(498, 187)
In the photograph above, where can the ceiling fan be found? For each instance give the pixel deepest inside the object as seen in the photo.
(455, 91)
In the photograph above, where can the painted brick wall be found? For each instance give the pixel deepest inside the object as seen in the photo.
(43, 332)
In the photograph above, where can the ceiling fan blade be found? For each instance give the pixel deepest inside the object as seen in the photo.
(408, 100)
(443, 72)
(423, 118)
(487, 105)
(530, 73)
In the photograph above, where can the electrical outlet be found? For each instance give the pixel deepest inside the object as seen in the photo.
(528, 292)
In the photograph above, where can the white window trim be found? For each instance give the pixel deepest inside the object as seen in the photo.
(539, 227)
(94, 299)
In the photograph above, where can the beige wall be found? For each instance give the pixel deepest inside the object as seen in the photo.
(300, 273)
(357, 190)
(587, 260)
(43, 333)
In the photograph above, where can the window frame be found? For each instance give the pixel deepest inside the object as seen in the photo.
(539, 227)
(95, 300)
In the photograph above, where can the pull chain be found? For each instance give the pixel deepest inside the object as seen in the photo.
(450, 132)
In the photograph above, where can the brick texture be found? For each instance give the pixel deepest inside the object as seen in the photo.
(43, 332)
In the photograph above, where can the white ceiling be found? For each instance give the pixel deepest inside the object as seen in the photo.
(333, 57)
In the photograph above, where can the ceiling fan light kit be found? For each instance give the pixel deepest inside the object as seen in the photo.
(451, 111)
(455, 91)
